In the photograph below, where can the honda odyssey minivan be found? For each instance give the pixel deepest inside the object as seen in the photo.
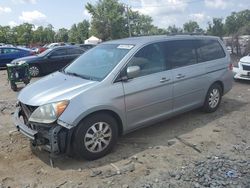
(120, 86)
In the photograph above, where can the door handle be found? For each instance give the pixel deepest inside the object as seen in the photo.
(179, 76)
(164, 79)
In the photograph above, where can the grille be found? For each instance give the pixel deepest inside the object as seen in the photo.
(27, 110)
(246, 67)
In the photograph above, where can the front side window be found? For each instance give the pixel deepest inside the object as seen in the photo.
(150, 59)
(98, 62)
(180, 53)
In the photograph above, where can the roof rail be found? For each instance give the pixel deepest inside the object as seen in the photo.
(187, 33)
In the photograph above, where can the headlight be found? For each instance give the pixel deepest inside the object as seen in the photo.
(48, 113)
(21, 62)
(16, 62)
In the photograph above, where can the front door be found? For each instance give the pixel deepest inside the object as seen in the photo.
(148, 96)
(56, 60)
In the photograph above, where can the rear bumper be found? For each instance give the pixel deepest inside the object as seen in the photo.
(51, 138)
(241, 74)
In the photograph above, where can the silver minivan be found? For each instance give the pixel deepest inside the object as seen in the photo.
(122, 85)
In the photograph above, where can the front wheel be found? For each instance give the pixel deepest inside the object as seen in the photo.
(34, 70)
(13, 86)
(213, 98)
(95, 136)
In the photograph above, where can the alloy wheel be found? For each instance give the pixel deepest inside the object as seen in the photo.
(214, 98)
(98, 137)
(34, 71)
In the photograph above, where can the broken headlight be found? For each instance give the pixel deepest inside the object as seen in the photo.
(48, 113)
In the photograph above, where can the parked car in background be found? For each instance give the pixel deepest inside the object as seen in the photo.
(243, 69)
(51, 60)
(42, 48)
(86, 46)
(8, 54)
(120, 86)
(48, 46)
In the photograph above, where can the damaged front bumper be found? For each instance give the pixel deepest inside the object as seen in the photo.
(52, 138)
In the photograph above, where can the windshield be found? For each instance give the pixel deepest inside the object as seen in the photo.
(45, 52)
(98, 62)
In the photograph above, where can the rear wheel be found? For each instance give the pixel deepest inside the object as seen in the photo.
(34, 70)
(95, 136)
(13, 86)
(213, 98)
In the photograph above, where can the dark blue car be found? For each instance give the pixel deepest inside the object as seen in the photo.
(7, 54)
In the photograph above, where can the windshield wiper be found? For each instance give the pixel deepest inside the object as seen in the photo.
(78, 75)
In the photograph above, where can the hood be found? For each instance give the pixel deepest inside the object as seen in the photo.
(54, 87)
(245, 59)
(28, 59)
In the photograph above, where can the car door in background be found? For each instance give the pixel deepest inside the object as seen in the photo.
(72, 54)
(148, 97)
(9, 54)
(56, 60)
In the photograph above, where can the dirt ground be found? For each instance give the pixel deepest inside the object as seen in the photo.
(144, 158)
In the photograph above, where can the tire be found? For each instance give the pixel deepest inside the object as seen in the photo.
(26, 81)
(213, 98)
(13, 86)
(34, 70)
(95, 136)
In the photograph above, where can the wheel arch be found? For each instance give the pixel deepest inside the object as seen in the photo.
(221, 85)
(112, 113)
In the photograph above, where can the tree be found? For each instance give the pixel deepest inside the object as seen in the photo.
(191, 26)
(141, 24)
(216, 28)
(80, 32)
(234, 24)
(62, 35)
(173, 29)
(6, 34)
(83, 31)
(237, 20)
(38, 35)
(49, 34)
(108, 21)
(73, 33)
(24, 33)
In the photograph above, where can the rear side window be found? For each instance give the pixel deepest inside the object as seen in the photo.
(180, 53)
(75, 51)
(59, 52)
(9, 50)
(208, 50)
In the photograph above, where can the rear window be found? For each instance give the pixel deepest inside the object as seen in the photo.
(208, 50)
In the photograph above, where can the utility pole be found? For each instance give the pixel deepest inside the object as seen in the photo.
(127, 11)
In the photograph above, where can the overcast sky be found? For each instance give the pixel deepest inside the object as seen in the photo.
(64, 13)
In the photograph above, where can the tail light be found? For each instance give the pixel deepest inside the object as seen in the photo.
(230, 66)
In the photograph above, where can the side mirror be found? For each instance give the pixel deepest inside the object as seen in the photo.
(133, 71)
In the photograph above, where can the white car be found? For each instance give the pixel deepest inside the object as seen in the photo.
(243, 69)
